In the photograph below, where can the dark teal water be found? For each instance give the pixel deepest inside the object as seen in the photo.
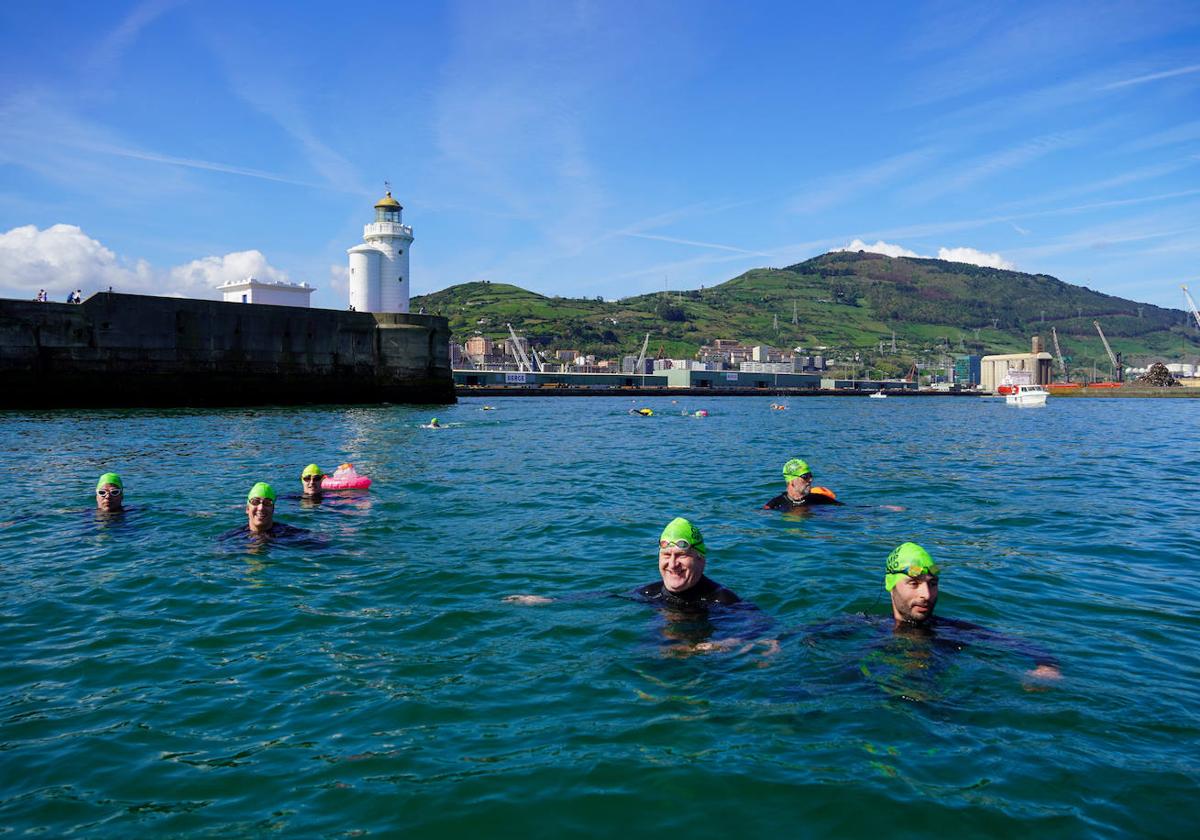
(158, 681)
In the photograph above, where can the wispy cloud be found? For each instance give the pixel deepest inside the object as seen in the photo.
(714, 245)
(1153, 77)
(36, 129)
(994, 164)
(846, 186)
(108, 50)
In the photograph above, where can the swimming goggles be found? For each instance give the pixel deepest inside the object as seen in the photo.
(684, 544)
(257, 502)
(917, 571)
(115, 492)
(311, 477)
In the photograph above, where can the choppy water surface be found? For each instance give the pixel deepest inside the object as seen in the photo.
(159, 681)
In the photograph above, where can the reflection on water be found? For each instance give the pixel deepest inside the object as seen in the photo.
(369, 677)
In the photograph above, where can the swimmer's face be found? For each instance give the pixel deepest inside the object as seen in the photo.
(312, 485)
(913, 598)
(109, 497)
(681, 568)
(260, 514)
(799, 486)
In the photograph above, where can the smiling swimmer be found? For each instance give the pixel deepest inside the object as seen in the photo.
(682, 556)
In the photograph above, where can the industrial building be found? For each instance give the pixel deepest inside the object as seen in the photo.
(992, 369)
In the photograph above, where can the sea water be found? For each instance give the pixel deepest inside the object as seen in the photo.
(372, 680)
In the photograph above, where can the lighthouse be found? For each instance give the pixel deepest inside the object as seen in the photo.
(379, 266)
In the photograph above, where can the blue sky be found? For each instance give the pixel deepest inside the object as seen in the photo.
(595, 148)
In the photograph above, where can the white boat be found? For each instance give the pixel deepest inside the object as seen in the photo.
(1027, 395)
(878, 395)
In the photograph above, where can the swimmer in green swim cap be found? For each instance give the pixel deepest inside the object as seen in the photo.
(800, 491)
(310, 480)
(260, 508)
(434, 424)
(912, 578)
(110, 493)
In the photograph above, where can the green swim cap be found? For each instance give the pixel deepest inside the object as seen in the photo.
(907, 559)
(311, 469)
(680, 529)
(433, 422)
(110, 478)
(262, 490)
(795, 468)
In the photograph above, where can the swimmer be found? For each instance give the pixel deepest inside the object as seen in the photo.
(681, 560)
(911, 578)
(800, 491)
(685, 593)
(488, 408)
(110, 493)
(644, 412)
(310, 481)
(260, 516)
(434, 424)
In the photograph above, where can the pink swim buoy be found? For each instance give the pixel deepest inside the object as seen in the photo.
(345, 478)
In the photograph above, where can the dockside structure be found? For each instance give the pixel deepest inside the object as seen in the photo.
(139, 350)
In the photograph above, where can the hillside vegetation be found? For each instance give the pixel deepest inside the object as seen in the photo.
(844, 302)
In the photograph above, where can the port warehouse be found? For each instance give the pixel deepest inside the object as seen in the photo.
(714, 380)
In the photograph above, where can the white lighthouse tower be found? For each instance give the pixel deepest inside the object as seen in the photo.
(379, 267)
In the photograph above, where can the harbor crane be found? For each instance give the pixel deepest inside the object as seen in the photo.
(1118, 372)
(641, 359)
(1062, 364)
(1192, 304)
(522, 357)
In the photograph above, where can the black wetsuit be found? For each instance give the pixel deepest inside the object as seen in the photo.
(278, 530)
(946, 634)
(705, 593)
(782, 502)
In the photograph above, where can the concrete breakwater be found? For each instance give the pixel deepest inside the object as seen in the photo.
(119, 350)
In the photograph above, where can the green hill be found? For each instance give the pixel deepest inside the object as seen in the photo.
(846, 302)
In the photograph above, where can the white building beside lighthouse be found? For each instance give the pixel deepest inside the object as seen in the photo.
(379, 278)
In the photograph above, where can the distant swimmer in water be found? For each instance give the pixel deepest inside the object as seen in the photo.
(800, 491)
(110, 494)
(434, 424)
(488, 408)
(310, 482)
(644, 412)
(260, 517)
(687, 594)
(778, 407)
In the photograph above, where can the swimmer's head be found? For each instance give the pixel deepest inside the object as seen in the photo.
(907, 560)
(310, 481)
(261, 490)
(109, 492)
(433, 422)
(679, 530)
(796, 468)
(681, 555)
(110, 478)
(311, 469)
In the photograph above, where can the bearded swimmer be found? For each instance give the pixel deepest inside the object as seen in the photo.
(800, 492)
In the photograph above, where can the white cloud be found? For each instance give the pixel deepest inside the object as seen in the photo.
(63, 258)
(970, 255)
(339, 278)
(199, 277)
(962, 255)
(881, 247)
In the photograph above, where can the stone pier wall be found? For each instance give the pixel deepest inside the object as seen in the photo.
(140, 350)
